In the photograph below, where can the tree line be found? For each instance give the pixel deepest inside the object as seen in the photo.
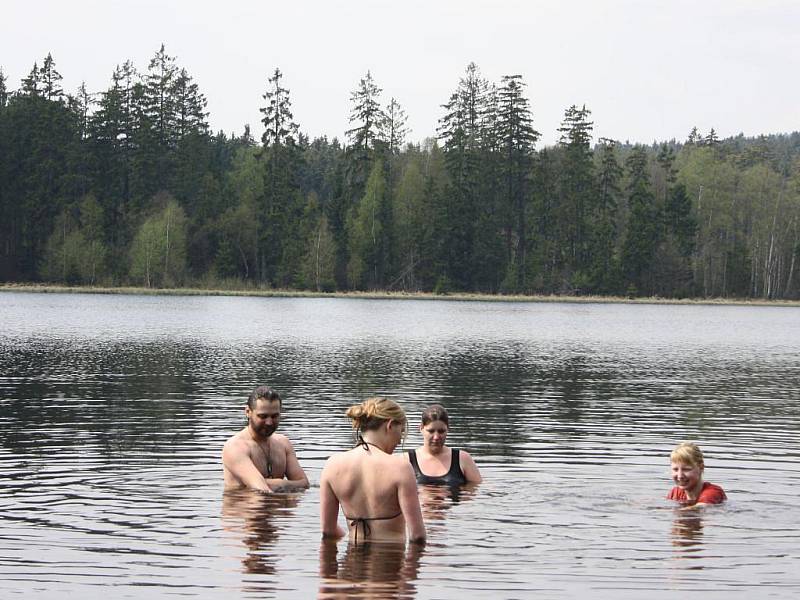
(130, 186)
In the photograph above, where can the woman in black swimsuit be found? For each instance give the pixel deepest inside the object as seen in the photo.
(434, 462)
(377, 491)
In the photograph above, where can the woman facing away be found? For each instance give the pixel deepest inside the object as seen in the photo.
(377, 491)
(434, 462)
(687, 473)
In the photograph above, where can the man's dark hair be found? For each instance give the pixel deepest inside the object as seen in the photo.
(263, 392)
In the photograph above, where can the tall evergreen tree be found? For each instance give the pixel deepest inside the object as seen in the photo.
(395, 127)
(576, 189)
(603, 263)
(643, 231)
(464, 130)
(50, 80)
(281, 205)
(3, 89)
(32, 84)
(367, 115)
(517, 135)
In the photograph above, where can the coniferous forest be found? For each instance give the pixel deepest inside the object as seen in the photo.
(128, 186)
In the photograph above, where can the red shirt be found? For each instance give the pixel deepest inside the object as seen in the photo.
(709, 494)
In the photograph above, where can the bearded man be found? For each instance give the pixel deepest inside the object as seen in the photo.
(257, 457)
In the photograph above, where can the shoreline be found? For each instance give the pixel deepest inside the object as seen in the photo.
(386, 295)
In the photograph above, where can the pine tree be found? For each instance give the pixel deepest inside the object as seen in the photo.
(190, 104)
(395, 127)
(643, 231)
(711, 139)
(517, 136)
(279, 128)
(369, 118)
(50, 80)
(159, 97)
(576, 188)
(280, 246)
(465, 130)
(3, 89)
(31, 85)
(603, 260)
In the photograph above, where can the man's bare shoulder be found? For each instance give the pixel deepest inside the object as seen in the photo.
(238, 442)
(282, 440)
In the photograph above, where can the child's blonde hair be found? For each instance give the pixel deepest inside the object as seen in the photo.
(687, 453)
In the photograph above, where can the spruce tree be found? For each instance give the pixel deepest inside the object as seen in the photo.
(466, 129)
(576, 190)
(50, 80)
(281, 205)
(32, 84)
(603, 263)
(643, 232)
(3, 89)
(517, 136)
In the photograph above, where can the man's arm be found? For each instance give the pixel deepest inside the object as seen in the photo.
(328, 507)
(408, 497)
(296, 477)
(236, 459)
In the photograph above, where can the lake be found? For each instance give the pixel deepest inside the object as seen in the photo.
(114, 409)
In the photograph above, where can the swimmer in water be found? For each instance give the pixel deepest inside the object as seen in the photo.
(687, 473)
(377, 491)
(257, 457)
(434, 462)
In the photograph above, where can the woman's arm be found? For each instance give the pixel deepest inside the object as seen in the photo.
(328, 506)
(408, 499)
(469, 468)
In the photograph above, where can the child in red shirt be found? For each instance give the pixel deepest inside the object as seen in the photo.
(687, 473)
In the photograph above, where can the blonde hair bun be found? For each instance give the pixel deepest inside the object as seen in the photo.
(373, 412)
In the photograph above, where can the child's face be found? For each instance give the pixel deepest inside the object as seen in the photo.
(685, 475)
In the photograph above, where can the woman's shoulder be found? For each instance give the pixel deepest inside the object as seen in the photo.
(338, 458)
(711, 494)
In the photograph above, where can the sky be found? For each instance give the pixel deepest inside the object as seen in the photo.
(649, 70)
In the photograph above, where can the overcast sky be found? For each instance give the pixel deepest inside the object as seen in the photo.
(648, 70)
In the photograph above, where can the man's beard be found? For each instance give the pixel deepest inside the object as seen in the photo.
(264, 430)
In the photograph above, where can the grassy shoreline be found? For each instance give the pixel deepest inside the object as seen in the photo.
(384, 295)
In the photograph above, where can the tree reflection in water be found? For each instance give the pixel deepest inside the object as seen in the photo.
(372, 570)
(255, 519)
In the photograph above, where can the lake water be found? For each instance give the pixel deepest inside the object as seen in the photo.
(113, 411)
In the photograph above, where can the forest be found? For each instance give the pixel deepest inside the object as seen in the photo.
(129, 187)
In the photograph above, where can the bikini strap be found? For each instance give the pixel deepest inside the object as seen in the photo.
(364, 526)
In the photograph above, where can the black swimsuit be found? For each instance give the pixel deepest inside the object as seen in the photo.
(452, 478)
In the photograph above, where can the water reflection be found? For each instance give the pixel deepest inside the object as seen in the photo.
(373, 570)
(687, 533)
(113, 411)
(436, 500)
(256, 519)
